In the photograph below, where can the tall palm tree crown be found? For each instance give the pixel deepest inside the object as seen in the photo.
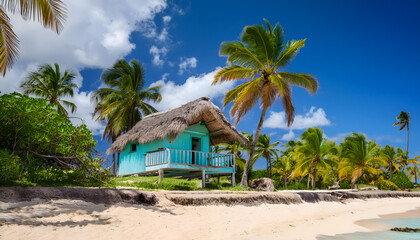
(404, 122)
(315, 153)
(259, 59)
(125, 101)
(48, 82)
(50, 13)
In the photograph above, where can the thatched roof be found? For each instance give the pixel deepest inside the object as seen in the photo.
(173, 122)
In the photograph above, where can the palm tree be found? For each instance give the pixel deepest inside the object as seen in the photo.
(403, 160)
(284, 165)
(390, 156)
(315, 153)
(50, 13)
(404, 121)
(266, 150)
(49, 83)
(259, 58)
(124, 102)
(359, 157)
(413, 172)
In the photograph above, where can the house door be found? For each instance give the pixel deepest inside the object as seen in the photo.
(196, 146)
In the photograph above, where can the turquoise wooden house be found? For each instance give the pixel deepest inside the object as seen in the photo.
(177, 143)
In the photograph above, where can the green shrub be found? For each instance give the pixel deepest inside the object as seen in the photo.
(385, 184)
(345, 184)
(401, 180)
(10, 166)
(49, 148)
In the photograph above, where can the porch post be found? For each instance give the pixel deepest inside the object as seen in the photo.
(203, 184)
(233, 179)
(161, 172)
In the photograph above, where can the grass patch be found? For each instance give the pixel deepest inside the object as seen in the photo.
(173, 184)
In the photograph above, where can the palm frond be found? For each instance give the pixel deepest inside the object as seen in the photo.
(9, 43)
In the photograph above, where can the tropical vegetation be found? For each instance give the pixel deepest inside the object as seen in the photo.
(124, 101)
(39, 144)
(259, 58)
(50, 13)
(49, 83)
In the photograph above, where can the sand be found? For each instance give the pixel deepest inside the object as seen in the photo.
(76, 219)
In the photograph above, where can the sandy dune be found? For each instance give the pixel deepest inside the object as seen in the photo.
(76, 219)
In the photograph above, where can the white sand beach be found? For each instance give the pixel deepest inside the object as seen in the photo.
(75, 219)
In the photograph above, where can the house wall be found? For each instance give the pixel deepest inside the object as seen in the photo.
(134, 162)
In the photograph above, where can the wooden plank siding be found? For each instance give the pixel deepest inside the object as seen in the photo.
(135, 162)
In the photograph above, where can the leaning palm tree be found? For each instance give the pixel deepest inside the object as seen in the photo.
(259, 58)
(359, 158)
(125, 101)
(404, 121)
(267, 150)
(50, 13)
(48, 82)
(315, 153)
(390, 156)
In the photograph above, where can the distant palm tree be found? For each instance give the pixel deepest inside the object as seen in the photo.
(404, 121)
(284, 165)
(359, 157)
(49, 83)
(258, 59)
(390, 156)
(125, 101)
(403, 160)
(267, 150)
(413, 172)
(316, 152)
(50, 13)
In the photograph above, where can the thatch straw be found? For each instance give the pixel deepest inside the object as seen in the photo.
(173, 122)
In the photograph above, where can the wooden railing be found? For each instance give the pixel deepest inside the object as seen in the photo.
(189, 157)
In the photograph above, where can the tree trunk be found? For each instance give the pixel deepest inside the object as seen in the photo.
(309, 180)
(415, 174)
(113, 164)
(244, 180)
(269, 166)
(131, 118)
(314, 174)
(285, 183)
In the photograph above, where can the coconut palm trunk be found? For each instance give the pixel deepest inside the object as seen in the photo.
(314, 172)
(244, 180)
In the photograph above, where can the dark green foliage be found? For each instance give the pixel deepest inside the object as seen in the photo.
(258, 174)
(47, 146)
(401, 180)
(10, 167)
(345, 184)
(385, 184)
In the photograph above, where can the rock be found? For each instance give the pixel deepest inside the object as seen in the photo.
(405, 229)
(265, 184)
(369, 189)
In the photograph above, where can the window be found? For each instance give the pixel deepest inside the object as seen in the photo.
(133, 148)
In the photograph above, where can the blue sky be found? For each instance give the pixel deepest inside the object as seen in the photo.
(365, 55)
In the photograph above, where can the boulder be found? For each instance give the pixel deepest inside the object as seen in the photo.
(265, 184)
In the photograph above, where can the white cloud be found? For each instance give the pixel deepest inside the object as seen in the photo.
(187, 63)
(310, 119)
(174, 95)
(288, 136)
(166, 19)
(95, 35)
(158, 54)
(339, 137)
